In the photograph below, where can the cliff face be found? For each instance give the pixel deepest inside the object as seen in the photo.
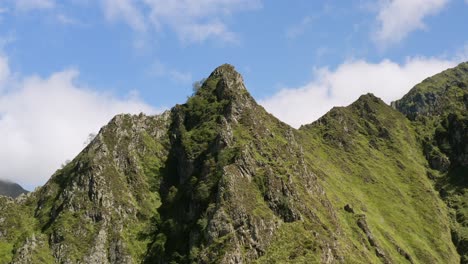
(219, 180)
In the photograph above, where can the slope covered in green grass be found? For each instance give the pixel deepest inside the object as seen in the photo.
(220, 180)
(438, 108)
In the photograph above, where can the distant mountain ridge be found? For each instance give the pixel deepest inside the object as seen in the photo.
(220, 180)
(11, 189)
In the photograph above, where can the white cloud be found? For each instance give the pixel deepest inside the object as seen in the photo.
(398, 18)
(343, 85)
(26, 5)
(44, 121)
(192, 21)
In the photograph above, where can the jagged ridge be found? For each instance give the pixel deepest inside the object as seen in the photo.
(219, 180)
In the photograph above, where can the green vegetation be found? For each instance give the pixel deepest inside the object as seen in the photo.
(374, 152)
(219, 180)
(438, 108)
(198, 158)
(293, 243)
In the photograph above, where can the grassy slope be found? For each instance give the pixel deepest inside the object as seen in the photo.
(438, 108)
(284, 190)
(17, 225)
(367, 156)
(437, 96)
(110, 185)
(241, 158)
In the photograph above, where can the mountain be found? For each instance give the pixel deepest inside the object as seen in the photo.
(220, 180)
(11, 189)
(439, 110)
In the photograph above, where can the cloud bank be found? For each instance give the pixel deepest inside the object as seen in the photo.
(397, 18)
(44, 121)
(341, 86)
(192, 21)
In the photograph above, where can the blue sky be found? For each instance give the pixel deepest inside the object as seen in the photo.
(66, 67)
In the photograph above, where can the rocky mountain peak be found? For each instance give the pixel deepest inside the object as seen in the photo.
(223, 92)
(219, 180)
(369, 96)
(225, 81)
(225, 70)
(369, 103)
(446, 92)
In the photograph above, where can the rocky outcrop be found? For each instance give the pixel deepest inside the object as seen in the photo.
(362, 224)
(220, 180)
(437, 95)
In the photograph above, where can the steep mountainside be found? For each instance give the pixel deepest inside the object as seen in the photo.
(439, 110)
(219, 180)
(11, 189)
(370, 158)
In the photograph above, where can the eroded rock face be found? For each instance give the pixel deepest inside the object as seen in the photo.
(439, 95)
(219, 180)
